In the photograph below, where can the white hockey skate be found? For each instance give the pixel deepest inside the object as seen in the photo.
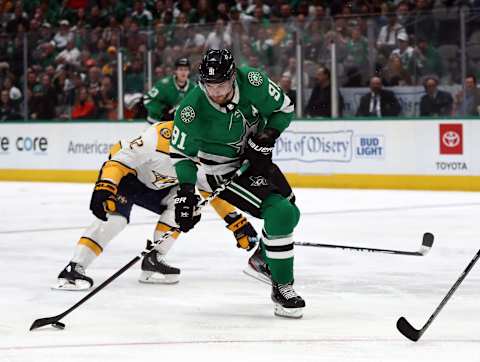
(156, 271)
(73, 278)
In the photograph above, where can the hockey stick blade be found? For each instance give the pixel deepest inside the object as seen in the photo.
(405, 328)
(414, 334)
(54, 321)
(427, 243)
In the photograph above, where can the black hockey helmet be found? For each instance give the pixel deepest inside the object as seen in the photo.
(217, 66)
(182, 62)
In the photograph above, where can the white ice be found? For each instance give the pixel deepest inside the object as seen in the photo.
(216, 313)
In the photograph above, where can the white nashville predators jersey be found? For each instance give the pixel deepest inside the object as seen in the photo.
(146, 156)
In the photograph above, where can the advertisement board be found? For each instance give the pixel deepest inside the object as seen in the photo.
(430, 154)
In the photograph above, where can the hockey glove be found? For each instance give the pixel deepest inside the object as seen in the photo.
(259, 149)
(103, 199)
(186, 203)
(242, 230)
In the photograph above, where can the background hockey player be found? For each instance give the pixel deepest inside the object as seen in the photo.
(162, 100)
(140, 172)
(235, 114)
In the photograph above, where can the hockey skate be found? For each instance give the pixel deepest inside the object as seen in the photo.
(156, 271)
(73, 278)
(257, 267)
(287, 302)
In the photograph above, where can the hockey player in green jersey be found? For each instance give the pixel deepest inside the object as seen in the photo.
(162, 100)
(233, 115)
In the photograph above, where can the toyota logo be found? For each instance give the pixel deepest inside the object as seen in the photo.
(451, 139)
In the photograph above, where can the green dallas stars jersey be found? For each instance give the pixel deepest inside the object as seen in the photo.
(164, 96)
(206, 132)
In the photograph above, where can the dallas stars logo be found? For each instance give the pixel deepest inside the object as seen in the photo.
(249, 128)
(187, 114)
(255, 78)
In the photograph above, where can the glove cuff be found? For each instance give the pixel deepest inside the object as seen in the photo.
(106, 185)
(237, 223)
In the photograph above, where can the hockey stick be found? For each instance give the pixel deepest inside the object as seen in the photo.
(55, 321)
(427, 243)
(414, 334)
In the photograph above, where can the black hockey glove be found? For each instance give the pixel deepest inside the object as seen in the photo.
(243, 231)
(103, 199)
(186, 203)
(259, 149)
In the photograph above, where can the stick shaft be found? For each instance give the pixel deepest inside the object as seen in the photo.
(43, 321)
(451, 291)
(356, 248)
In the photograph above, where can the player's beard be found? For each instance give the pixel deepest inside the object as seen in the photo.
(224, 99)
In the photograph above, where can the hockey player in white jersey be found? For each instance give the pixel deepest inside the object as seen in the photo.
(140, 172)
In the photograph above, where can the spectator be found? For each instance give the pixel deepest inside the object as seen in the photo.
(320, 102)
(291, 71)
(436, 102)
(403, 10)
(467, 101)
(388, 35)
(107, 105)
(140, 15)
(320, 21)
(63, 36)
(14, 93)
(159, 72)
(222, 11)
(427, 59)
(19, 18)
(204, 13)
(314, 46)
(7, 109)
(84, 107)
(286, 85)
(42, 105)
(69, 55)
(262, 45)
(44, 100)
(95, 19)
(218, 38)
(252, 8)
(45, 54)
(357, 52)
(425, 24)
(134, 77)
(405, 52)
(379, 102)
(394, 73)
(195, 42)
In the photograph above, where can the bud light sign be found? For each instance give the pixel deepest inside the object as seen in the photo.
(370, 146)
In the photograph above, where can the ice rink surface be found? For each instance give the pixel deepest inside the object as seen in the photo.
(216, 313)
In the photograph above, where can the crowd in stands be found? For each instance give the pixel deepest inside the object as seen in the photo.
(73, 45)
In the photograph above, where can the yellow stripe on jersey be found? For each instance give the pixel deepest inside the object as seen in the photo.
(164, 132)
(222, 207)
(115, 148)
(164, 228)
(91, 244)
(114, 171)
